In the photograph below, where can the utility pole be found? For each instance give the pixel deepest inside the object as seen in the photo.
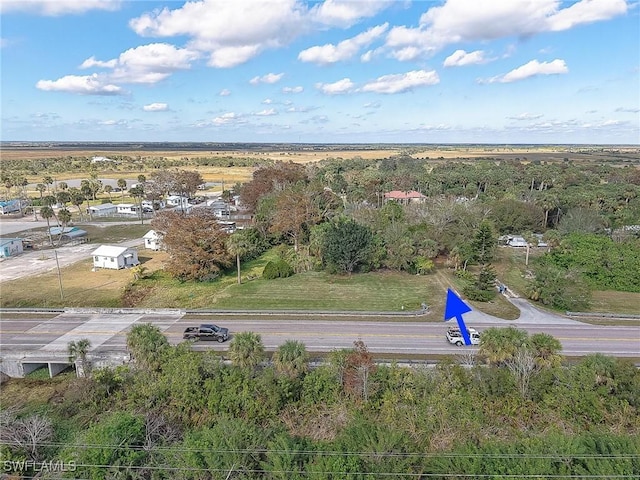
(59, 274)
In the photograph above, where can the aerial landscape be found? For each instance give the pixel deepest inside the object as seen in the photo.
(338, 239)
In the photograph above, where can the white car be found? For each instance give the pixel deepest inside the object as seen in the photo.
(454, 336)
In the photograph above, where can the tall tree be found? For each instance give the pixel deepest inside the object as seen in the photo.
(294, 211)
(122, 185)
(108, 189)
(271, 179)
(137, 193)
(77, 198)
(196, 244)
(347, 245)
(238, 245)
(64, 217)
(46, 212)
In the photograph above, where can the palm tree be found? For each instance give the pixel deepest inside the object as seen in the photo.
(137, 193)
(47, 181)
(291, 358)
(546, 349)
(246, 350)
(87, 193)
(239, 245)
(122, 185)
(78, 355)
(108, 189)
(77, 198)
(64, 217)
(499, 345)
(147, 346)
(47, 213)
(41, 188)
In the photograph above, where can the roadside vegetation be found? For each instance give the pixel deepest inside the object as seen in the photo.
(330, 229)
(516, 407)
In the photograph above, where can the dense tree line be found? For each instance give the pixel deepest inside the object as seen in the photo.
(176, 413)
(334, 217)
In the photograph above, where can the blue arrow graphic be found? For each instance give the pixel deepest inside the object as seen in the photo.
(455, 307)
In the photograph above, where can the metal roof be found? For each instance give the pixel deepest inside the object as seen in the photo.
(109, 251)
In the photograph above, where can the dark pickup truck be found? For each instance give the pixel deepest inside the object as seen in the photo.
(206, 332)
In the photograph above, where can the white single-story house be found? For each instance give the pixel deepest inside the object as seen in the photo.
(127, 209)
(103, 210)
(152, 240)
(10, 247)
(177, 201)
(114, 257)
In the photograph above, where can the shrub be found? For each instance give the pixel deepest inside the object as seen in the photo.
(277, 269)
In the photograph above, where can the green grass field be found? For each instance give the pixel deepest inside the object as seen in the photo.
(384, 291)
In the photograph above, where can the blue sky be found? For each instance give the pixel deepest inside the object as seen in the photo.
(338, 71)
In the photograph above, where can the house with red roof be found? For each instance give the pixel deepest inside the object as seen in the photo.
(404, 198)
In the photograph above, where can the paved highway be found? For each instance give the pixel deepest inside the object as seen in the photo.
(107, 332)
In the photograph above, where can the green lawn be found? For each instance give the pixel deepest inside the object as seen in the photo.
(384, 291)
(380, 291)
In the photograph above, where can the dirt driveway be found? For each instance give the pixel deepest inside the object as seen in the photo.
(41, 261)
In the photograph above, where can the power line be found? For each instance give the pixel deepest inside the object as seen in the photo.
(453, 455)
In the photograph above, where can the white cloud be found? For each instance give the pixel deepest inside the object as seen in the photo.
(366, 56)
(268, 78)
(586, 11)
(531, 69)
(402, 82)
(267, 101)
(345, 13)
(345, 50)
(266, 113)
(341, 86)
(297, 89)
(227, 57)
(156, 107)
(230, 33)
(83, 85)
(92, 62)
(152, 63)
(300, 109)
(371, 105)
(526, 116)
(480, 20)
(225, 92)
(627, 110)
(56, 8)
(227, 118)
(461, 58)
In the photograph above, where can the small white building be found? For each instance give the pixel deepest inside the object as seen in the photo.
(127, 209)
(177, 201)
(10, 247)
(114, 257)
(152, 240)
(103, 210)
